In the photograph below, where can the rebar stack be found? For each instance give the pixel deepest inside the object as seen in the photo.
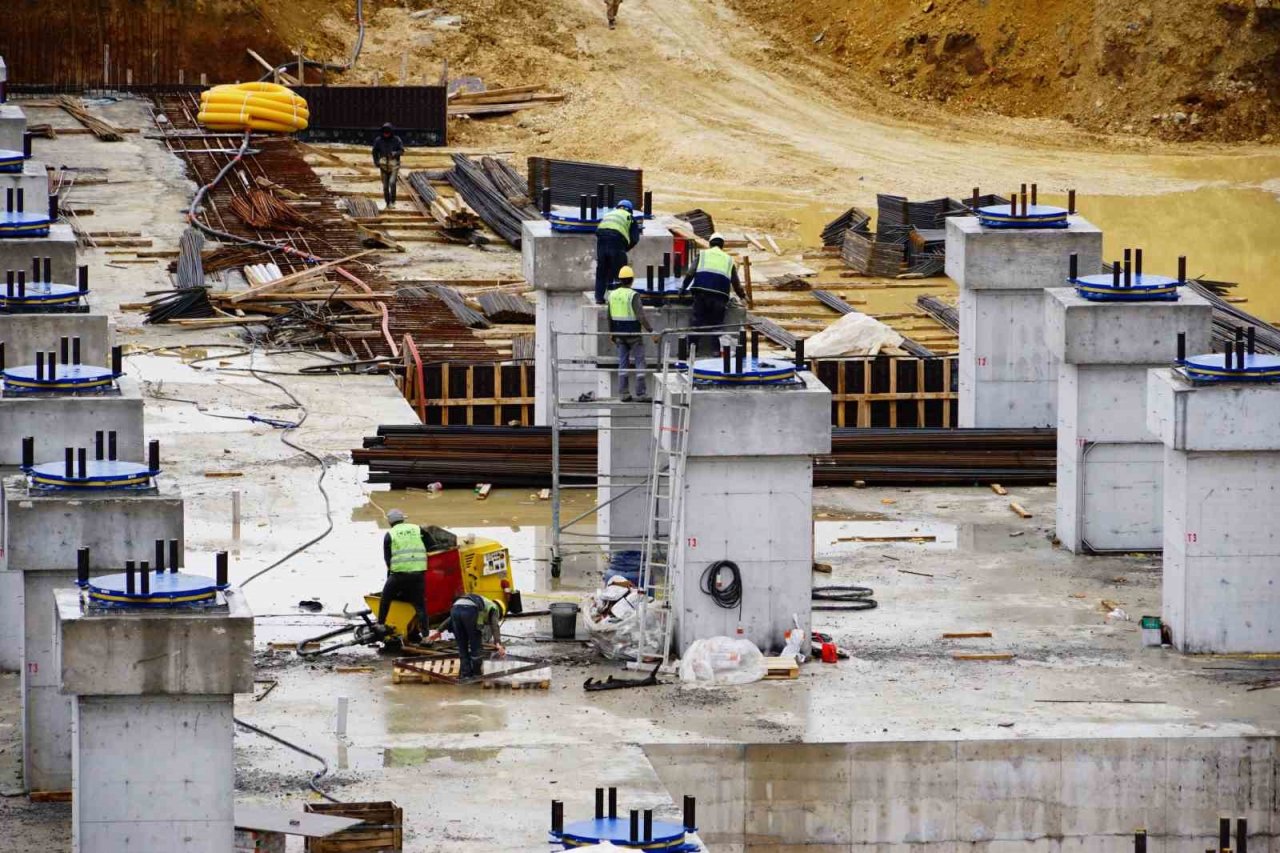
(495, 207)
(853, 219)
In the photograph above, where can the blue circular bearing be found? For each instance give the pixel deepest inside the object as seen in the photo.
(755, 371)
(1142, 288)
(24, 223)
(41, 294)
(666, 836)
(164, 589)
(1036, 216)
(102, 474)
(1211, 367)
(67, 378)
(11, 161)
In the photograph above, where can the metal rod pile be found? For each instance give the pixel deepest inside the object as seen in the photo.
(466, 315)
(700, 221)
(261, 209)
(940, 311)
(479, 192)
(417, 455)
(501, 307)
(449, 212)
(103, 130)
(853, 219)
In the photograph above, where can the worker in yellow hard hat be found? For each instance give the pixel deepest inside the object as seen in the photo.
(627, 321)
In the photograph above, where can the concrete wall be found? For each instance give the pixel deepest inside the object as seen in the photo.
(33, 180)
(16, 253)
(24, 335)
(153, 773)
(999, 796)
(71, 422)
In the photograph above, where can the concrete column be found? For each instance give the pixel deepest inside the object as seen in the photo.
(24, 335)
(42, 533)
(13, 124)
(561, 269)
(152, 737)
(60, 246)
(1008, 377)
(748, 498)
(1221, 482)
(61, 421)
(1109, 465)
(33, 180)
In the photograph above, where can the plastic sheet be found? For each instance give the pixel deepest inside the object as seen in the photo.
(718, 661)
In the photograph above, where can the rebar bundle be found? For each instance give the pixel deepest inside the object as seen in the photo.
(261, 209)
(495, 207)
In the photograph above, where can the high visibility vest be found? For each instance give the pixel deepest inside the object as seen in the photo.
(484, 605)
(622, 312)
(408, 551)
(714, 272)
(618, 219)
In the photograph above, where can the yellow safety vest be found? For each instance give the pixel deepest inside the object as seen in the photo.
(408, 551)
(715, 260)
(621, 308)
(618, 219)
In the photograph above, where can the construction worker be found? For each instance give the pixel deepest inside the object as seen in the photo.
(404, 549)
(387, 150)
(617, 234)
(611, 11)
(468, 618)
(626, 322)
(710, 279)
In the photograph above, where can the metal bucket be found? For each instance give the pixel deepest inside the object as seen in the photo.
(564, 620)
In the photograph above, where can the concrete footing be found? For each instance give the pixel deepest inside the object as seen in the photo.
(58, 422)
(152, 740)
(33, 180)
(1109, 465)
(13, 124)
(1221, 478)
(1008, 377)
(748, 498)
(60, 246)
(23, 335)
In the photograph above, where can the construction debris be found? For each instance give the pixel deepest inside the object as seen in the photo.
(104, 130)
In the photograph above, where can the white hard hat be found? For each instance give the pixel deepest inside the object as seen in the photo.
(716, 236)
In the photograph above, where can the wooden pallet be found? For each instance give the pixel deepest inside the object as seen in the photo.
(781, 669)
(423, 671)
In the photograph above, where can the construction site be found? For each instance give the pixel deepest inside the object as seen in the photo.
(650, 425)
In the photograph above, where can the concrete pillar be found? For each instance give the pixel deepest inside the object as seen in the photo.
(1008, 377)
(42, 532)
(13, 124)
(24, 335)
(561, 269)
(33, 180)
(1221, 488)
(61, 421)
(1109, 465)
(60, 246)
(152, 738)
(748, 498)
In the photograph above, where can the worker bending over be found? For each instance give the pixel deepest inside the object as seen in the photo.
(617, 234)
(626, 322)
(387, 150)
(404, 549)
(710, 280)
(468, 618)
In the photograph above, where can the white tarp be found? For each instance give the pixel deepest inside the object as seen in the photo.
(852, 334)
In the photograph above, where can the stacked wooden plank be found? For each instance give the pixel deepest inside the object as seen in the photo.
(500, 307)
(501, 101)
(448, 211)
(870, 255)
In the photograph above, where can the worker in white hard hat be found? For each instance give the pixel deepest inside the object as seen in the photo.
(627, 321)
(710, 279)
(617, 234)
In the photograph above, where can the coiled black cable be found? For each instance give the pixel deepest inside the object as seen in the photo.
(844, 598)
(728, 595)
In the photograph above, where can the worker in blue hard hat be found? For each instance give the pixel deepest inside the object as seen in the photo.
(710, 279)
(617, 234)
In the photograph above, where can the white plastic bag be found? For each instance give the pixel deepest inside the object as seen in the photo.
(852, 334)
(614, 621)
(722, 660)
(795, 642)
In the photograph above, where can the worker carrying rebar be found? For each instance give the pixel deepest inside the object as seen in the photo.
(404, 549)
(468, 618)
(387, 151)
(617, 234)
(627, 322)
(710, 279)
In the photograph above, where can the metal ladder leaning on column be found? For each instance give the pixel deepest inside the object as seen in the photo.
(664, 527)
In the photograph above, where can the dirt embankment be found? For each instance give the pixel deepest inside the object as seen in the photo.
(1176, 69)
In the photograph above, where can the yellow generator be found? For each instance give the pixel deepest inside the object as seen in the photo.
(481, 566)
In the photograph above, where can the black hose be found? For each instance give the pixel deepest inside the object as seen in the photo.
(728, 596)
(844, 598)
(315, 778)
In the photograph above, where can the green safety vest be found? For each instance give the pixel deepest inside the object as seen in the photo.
(485, 606)
(408, 551)
(715, 260)
(621, 308)
(618, 219)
